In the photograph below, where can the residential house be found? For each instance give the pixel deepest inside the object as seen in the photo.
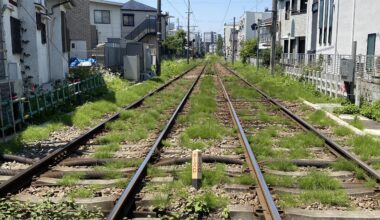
(95, 22)
(228, 40)
(209, 38)
(34, 46)
(139, 22)
(92, 22)
(293, 21)
(245, 26)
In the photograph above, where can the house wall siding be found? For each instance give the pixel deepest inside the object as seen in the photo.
(106, 31)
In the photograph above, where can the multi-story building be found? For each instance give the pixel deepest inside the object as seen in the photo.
(95, 22)
(335, 24)
(245, 29)
(34, 44)
(228, 40)
(208, 39)
(293, 18)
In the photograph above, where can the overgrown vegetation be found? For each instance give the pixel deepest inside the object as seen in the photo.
(281, 86)
(13, 209)
(368, 110)
(119, 93)
(202, 126)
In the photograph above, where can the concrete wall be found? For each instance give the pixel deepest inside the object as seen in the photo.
(106, 31)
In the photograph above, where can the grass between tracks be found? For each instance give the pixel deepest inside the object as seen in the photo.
(119, 93)
(275, 141)
(202, 128)
(132, 127)
(287, 89)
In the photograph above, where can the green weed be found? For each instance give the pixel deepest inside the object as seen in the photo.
(318, 181)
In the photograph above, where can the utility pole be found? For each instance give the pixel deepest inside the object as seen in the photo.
(188, 32)
(158, 43)
(258, 45)
(233, 43)
(274, 31)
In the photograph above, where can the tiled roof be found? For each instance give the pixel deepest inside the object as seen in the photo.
(133, 5)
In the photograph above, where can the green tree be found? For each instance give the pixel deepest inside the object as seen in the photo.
(248, 49)
(219, 48)
(175, 45)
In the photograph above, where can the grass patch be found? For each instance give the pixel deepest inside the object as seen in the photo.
(346, 165)
(318, 181)
(245, 179)
(81, 193)
(283, 181)
(332, 198)
(357, 123)
(365, 146)
(342, 131)
(318, 117)
(70, 179)
(212, 201)
(283, 166)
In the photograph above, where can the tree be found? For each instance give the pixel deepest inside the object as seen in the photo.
(219, 48)
(248, 49)
(175, 45)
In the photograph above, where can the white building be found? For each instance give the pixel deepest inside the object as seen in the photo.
(36, 43)
(228, 39)
(106, 16)
(245, 23)
(293, 23)
(335, 24)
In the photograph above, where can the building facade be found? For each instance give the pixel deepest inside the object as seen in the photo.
(293, 17)
(229, 40)
(35, 44)
(245, 29)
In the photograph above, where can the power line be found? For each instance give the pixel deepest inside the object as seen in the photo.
(226, 13)
(173, 6)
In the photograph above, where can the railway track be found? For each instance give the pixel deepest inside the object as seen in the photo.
(310, 174)
(210, 123)
(259, 160)
(98, 164)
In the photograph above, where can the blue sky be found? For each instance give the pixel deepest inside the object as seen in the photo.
(209, 14)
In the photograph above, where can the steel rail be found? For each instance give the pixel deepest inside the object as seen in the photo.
(24, 178)
(263, 192)
(127, 199)
(335, 146)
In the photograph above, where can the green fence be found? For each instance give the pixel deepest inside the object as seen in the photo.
(15, 113)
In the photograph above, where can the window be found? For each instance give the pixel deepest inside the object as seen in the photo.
(102, 17)
(287, 10)
(41, 27)
(16, 35)
(303, 6)
(326, 19)
(65, 33)
(321, 7)
(294, 5)
(371, 45)
(73, 45)
(13, 2)
(286, 42)
(43, 33)
(129, 20)
(331, 20)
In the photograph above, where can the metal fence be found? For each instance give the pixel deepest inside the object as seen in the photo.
(330, 72)
(15, 112)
